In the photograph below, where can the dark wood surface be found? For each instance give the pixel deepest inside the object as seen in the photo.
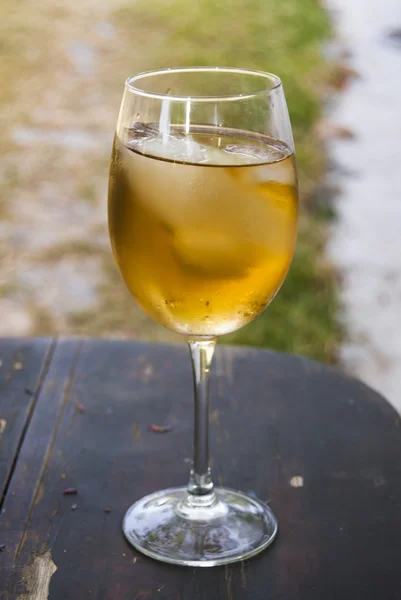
(22, 369)
(322, 449)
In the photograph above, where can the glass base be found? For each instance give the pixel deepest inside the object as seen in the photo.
(200, 531)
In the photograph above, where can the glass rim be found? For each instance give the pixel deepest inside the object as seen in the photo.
(131, 87)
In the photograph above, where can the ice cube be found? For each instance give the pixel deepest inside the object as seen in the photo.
(172, 191)
(138, 133)
(279, 172)
(176, 147)
(254, 154)
(214, 252)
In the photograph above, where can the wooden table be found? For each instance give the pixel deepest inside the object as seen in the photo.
(322, 449)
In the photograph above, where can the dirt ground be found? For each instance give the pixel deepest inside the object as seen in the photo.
(63, 70)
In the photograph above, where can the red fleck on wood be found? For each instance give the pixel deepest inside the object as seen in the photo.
(160, 428)
(70, 492)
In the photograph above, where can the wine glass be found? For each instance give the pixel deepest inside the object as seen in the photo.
(203, 219)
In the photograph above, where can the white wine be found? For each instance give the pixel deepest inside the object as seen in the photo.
(203, 224)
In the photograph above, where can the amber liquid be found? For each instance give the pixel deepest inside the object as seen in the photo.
(203, 229)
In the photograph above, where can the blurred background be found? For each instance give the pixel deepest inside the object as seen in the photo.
(62, 71)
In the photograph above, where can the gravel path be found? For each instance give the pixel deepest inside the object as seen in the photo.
(366, 240)
(57, 120)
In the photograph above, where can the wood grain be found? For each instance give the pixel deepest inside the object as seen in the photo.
(322, 449)
(22, 367)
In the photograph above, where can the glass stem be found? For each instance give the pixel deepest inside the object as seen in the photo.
(200, 487)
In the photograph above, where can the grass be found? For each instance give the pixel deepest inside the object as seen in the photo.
(285, 38)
